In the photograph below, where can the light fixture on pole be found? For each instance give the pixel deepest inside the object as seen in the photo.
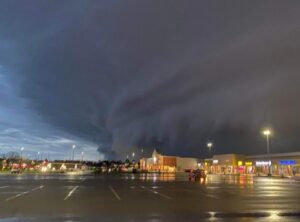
(209, 145)
(73, 148)
(21, 153)
(267, 133)
(82, 156)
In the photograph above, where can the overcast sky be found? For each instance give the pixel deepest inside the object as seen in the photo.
(113, 77)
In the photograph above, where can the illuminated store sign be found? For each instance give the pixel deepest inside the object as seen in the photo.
(248, 163)
(287, 162)
(240, 163)
(215, 161)
(263, 163)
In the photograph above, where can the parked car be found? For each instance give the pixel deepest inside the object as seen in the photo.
(196, 175)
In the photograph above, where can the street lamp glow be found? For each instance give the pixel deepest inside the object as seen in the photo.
(133, 154)
(22, 148)
(209, 145)
(267, 132)
(74, 146)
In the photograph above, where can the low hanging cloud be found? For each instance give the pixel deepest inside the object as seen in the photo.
(165, 74)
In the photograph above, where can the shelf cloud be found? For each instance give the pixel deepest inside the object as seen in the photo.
(126, 75)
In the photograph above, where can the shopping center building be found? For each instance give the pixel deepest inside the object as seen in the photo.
(163, 163)
(281, 164)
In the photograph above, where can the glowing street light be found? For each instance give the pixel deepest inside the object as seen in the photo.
(82, 156)
(267, 133)
(73, 147)
(209, 145)
(133, 154)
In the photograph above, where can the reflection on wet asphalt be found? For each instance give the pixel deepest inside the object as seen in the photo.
(147, 197)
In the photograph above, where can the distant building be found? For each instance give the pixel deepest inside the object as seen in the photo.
(225, 163)
(285, 164)
(281, 164)
(162, 163)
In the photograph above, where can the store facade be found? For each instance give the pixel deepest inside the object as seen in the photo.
(225, 164)
(163, 163)
(281, 164)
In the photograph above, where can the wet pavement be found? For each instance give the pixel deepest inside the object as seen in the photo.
(147, 197)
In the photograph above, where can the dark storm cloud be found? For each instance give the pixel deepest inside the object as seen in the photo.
(170, 74)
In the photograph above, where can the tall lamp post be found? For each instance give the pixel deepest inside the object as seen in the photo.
(82, 156)
(133, 154)
(209, 145)
(21, 153)
(73, 148)
(267, 133)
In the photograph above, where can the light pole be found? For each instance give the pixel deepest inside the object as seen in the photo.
(38, 155)
(82, 156)
(21, 153)
(73, 148)
(267, 133)
(142, 151)
(133, 154)
(209, 145)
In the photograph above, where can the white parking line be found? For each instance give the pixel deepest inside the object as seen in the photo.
(71, 192)
(115, 193)
(37, 188)
(3, 187)
(158, 193)
(212, 196)
(26, 192)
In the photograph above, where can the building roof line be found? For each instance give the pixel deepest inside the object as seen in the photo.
(291, 154)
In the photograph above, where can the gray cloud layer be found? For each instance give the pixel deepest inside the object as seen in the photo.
(169, 74)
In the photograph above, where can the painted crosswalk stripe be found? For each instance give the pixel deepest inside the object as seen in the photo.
(156, 192)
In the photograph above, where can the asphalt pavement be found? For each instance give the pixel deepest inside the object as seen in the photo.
(147, 197)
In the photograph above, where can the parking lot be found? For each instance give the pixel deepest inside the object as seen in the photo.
(147, 197)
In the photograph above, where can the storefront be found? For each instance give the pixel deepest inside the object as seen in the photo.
(279, 164)
(287, 167)
(263, 167)
(227, 164)
(162, 163)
